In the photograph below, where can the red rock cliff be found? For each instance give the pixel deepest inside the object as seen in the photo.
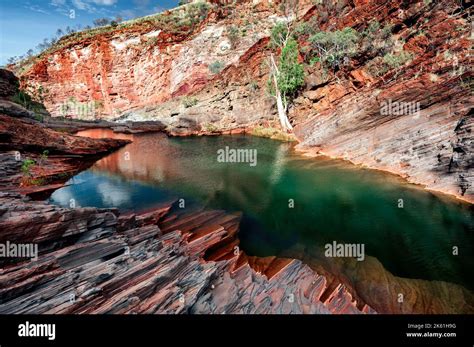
(211, 74)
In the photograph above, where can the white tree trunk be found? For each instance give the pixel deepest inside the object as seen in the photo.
(285, 123)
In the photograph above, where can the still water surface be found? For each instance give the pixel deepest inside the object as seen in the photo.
(333, 201)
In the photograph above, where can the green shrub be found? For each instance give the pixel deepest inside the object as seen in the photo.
(39, 117)
(253, 85)
(309, 27)
(380, 66)
(278, 35)
(334, 47)
(151, 41)
(304, 28)
(314, 60)
(395, 61)
(26, 166)
(233, 34)
(376, 39)
(37, 181)
(373, 28)
(190, 102)
(197, 12)
(216, 67)
(23, 99)
(43, 157)
(387, 31)
(291, 76)
(210, 128)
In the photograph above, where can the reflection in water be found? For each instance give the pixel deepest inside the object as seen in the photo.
(333, 201)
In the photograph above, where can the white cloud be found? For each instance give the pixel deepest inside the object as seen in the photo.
(104, 2)
(80, 5)
(58, 2)
(93, 6)
(36, 9)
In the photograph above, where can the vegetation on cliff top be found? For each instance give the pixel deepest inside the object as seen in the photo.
(178, 21)
(331, 52)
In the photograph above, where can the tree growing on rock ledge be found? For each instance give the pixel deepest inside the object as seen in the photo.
(287, 76)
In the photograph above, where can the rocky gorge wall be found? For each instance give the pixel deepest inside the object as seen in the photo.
(366, 119)
(205, 79)
(138, 67)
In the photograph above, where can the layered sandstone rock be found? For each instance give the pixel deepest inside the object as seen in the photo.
(142, 64)
(368, 281)
(56, 155)
(8, 83)
(95, 261)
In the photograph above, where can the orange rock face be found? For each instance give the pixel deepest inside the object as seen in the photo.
(143, 64)
(107, 72)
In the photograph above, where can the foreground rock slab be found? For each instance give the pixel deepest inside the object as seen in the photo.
(95, 261)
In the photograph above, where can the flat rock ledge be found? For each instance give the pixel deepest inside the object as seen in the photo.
(164, 261)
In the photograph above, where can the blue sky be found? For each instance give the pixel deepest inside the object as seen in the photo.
(26, 23)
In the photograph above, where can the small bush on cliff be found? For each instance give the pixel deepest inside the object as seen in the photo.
(376, 40)
(99, 22)
(182, 20)
(197, 12)
(43, 157)
(374, 27)
(233, 34)
(27, 178)
(22, 99)
(26, 167)
(279, 35)
(151, 41)
(253, 86)
(390, 61)
(304, 28)
(395, 61)
(334, 47)
(216, 67)
(189, 102)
